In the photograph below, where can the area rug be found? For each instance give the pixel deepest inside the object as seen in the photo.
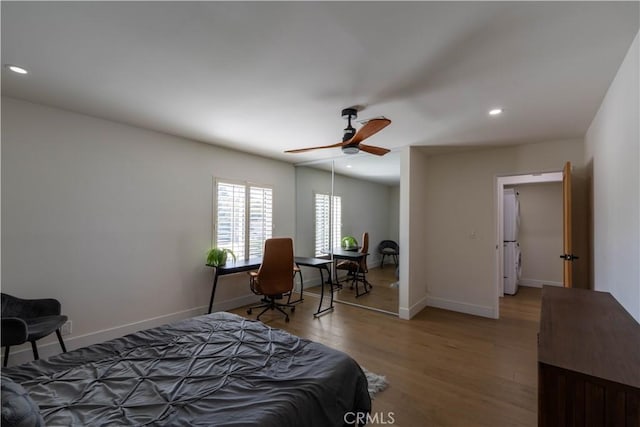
(376, 382)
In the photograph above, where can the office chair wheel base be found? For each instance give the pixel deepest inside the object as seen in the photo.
(293, 309)
(286, 319)
(249, 311)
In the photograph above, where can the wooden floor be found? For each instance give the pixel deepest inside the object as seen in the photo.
(383, 296)
(444, 368)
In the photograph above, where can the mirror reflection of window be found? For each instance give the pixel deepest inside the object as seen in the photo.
(328, 222)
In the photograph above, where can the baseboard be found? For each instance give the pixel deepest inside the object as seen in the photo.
(23, 354)
(407, 313)
(462, 307)
(535, 283)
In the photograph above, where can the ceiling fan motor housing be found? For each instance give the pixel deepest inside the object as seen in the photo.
(349, 131)
(349, 113)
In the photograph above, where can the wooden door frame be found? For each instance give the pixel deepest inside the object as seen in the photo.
(501, 182)
(567, 244)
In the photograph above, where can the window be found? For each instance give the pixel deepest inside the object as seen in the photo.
(328, 222)
(243, 217)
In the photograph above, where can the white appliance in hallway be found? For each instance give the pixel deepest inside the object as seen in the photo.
(512, 254)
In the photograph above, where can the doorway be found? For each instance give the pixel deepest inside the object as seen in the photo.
(503, 182)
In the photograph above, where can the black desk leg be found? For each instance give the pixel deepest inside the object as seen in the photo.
(321, 292)
(330, 285)
(213, 291)
(301, 291)
(361, 276)
(330, 308)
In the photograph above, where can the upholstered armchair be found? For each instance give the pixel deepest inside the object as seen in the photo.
(389, 248)
(28, 320)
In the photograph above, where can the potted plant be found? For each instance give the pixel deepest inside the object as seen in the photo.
(218, 256)
(349, 243)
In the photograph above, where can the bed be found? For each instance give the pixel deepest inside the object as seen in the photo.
(214, 370)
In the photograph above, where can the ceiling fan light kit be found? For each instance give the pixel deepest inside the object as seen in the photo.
(350, 149)
(351, 139)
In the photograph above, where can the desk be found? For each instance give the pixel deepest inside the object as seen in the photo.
(357, 258)
(231, 268)
(254, 263)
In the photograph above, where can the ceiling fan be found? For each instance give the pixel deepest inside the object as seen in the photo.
(352, 140)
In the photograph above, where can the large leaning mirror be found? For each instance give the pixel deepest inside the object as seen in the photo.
(365, 195)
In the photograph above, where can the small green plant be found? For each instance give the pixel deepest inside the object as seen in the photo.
(349, 242)
(218, 256)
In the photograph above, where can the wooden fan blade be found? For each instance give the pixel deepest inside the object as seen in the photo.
(302, 150)
(370, 128)
(378, 151)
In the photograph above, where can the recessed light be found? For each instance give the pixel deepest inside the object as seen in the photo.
(16, 69)
(495, 112)
(349, 166)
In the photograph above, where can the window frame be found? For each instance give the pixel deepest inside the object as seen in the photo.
(248, 185)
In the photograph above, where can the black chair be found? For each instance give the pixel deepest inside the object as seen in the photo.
(389, 248)
(28, 320)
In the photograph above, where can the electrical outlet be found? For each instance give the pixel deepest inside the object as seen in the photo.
(66, 328)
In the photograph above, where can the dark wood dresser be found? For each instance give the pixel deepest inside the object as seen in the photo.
(588, 360)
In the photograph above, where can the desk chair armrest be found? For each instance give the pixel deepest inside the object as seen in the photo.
(14, 331)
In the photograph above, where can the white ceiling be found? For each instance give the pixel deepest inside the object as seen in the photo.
(269, 76)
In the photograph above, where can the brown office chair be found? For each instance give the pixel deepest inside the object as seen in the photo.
(357, 274)
(274, 279)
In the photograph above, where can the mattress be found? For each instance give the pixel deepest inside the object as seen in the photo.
(214, 370)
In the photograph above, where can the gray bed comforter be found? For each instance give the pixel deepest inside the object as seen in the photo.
(213, 370)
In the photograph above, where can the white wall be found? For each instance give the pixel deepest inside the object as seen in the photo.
(365, 208)
(114, 221)
(394, 213)
(612, 151)
(459, 193)
(413, 233)
(540, 234)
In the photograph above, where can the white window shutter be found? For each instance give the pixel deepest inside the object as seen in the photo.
(322, 224)
(328, 223)
(336, 225)
(260, 219)
(243, 218)
(230, 219)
